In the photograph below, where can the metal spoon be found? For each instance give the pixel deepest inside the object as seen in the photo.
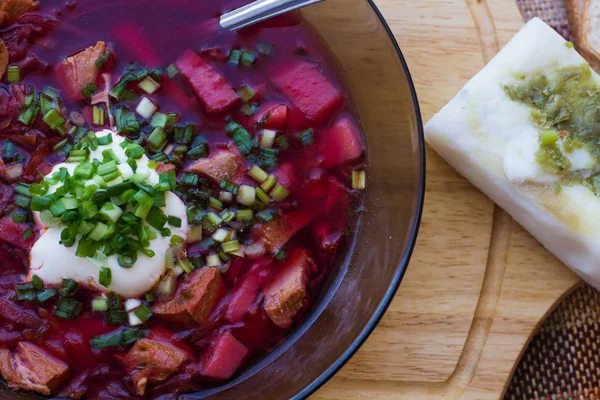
(260, 10)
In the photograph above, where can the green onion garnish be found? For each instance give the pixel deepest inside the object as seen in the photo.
(13, 74)
(68, 308)
(69, 287)
(46, 295)
(89, 89)
(105, 277)
(264, 48)
(118, 338)
(149, 85)
(247, 58)
(234, 56)
(246, 93)
(143, 312)
(306, 137)
(98, 116)
(172, 71)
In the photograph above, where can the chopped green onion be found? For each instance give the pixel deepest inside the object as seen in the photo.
(146, 108)
(266, 215)
(282, 142)
(247, 58)
(69, 287)
(41, 203)
(98, 116)
(229, 186)
(234, 56)
(149, 85)
(105, 277)
(279, 192)
(174, 221)
(68, 308)
(246, 195)
(267, 138)
(244, 215)
(103, 59)
(20, 215)
(22, 201)
(195, 234)
(118, 338)
(359, 180)
(143, 312)
(190, 179)
(246, 93)
(25, 291)
(231, 246)
(249, 109)
(53, 119)
(269, 183)
(100, 304)
(172, 71)
(215, 203)
(262, 196)
(127, 260)
(46, 295)
(269, 158)
(157, 140)
(8, 154)
(197, 152)
(13, 74)
(29, 114)
(159, 120)
(306, 137)
(126, 121)
(89, 90)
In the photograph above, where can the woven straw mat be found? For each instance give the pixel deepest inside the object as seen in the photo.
(562, 361)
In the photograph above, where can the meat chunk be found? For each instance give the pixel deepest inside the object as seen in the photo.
(309, 90)
(222, 164)
(196, 298)
(80, 69)
(224, 356)
(11, 10)
(32, 368)
(3, 59)
(164, 167)
(211, 88)
(153, 362)
(286, 295)
(276, 233)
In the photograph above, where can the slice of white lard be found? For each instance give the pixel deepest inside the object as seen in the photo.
(492, 141)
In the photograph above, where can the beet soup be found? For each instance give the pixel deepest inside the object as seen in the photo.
(175, 197)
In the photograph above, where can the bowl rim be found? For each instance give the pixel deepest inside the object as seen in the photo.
(395, 284)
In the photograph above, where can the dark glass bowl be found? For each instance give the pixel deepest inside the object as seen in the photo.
(377, 75)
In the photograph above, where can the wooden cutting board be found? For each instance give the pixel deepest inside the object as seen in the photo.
(478, 285)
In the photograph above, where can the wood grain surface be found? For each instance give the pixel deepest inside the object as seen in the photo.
(478, 285)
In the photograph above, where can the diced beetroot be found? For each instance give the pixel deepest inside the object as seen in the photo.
(18, 315)
(12, 232)
(246, 293)
(276, 233)
(340, 143)
(131, 37)
(223, 357)
(286, 295)
(310, 91)
(276, 116)
(210, 86)
(285, 174)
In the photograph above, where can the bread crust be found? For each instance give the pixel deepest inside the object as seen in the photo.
(578, 12)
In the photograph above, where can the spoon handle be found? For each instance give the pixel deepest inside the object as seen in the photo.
(260, 10)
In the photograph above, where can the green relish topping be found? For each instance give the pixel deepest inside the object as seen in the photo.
(565, 106)
(104, 206)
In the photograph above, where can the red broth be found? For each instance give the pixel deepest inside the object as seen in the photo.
(318, 216)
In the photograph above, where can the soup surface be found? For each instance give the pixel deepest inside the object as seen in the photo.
(173, 196)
